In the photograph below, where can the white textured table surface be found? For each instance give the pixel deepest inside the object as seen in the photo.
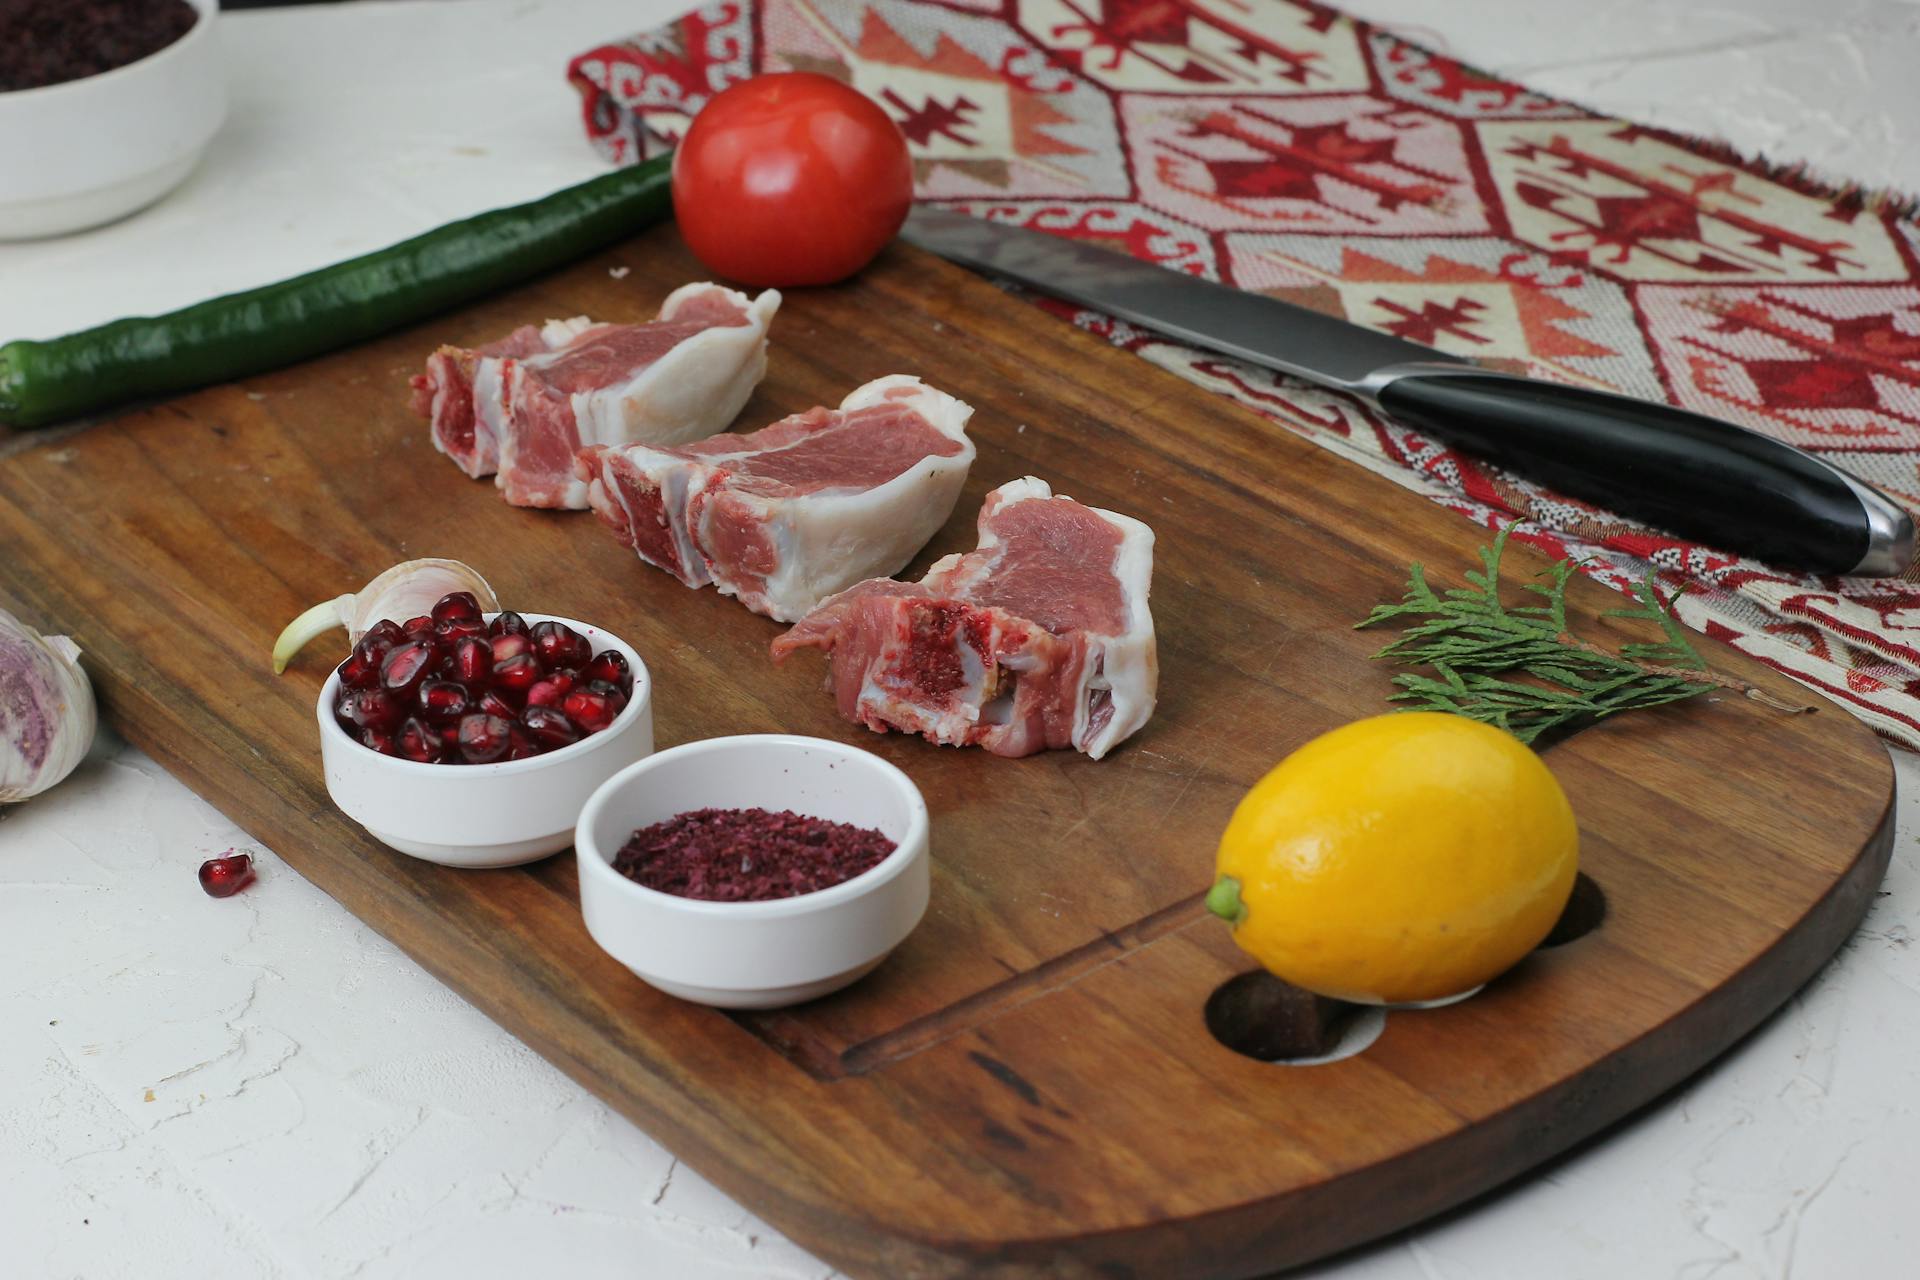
(263, 1087)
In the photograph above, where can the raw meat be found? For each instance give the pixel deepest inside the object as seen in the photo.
(520, 409)
(445, 396)
(1038, 638)
(785, 516)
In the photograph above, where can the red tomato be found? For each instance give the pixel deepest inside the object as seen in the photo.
(791, 179)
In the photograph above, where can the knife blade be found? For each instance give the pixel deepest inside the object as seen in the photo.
(1696, 476)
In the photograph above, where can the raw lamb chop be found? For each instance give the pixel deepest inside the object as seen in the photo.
(465, 421)
(787, 515)
(1038, 638)
(522, 407)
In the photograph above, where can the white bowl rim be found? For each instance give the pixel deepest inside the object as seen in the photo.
(910, 846)
(207, 10)
(643, 696)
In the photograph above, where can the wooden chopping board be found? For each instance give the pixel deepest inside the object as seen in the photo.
(1027, 1087)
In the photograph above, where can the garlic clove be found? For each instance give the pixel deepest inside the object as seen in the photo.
(407, 590)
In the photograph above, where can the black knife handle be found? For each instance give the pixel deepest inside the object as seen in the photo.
(1704, 479)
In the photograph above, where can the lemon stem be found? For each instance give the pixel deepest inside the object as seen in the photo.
(1224, 900)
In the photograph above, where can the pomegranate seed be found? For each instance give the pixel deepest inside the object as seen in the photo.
(418, 741)
(517, 674)
(472, 660)
(510, 645)
(224, 877)
(550, 692)
(559, 645)
(377, 740)
(494, 705)
(360, 670)
(444, 700)
(508, 624)
(457, 604)
(370, 709)
(612, 690)
(549, 727)
(611, 665)
(521, 744)
(405, 666)
(414, 626)
(484, 738)
(453, 630)
(450, 738)
(591, 710)
(386, 633)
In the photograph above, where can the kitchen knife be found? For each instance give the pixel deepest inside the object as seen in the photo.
(1701, 478)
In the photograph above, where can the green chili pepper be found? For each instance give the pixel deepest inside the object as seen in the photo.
(279, 324)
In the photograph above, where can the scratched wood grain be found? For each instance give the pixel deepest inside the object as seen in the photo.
(1026, 1087)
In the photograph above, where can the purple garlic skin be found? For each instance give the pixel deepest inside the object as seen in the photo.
(47, 713)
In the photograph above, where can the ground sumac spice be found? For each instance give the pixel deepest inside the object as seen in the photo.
(748, 855)
(45, 42)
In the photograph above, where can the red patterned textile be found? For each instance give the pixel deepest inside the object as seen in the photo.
(1283, 147)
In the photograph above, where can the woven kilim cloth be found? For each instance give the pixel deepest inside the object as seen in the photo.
(1283, 147)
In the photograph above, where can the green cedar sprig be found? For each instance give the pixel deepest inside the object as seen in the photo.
(1475, 645)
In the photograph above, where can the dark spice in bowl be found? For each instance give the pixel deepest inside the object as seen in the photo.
(45, 42)
(748, 855)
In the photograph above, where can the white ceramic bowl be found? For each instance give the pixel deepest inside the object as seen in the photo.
(484, 815)
(755, 955)
(87, 151)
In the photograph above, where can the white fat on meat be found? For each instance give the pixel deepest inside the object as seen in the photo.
(521, 408)
(783, 517)
(460, 396)
(1039, 638)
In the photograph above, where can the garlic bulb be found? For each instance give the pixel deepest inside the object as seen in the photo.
(407, 590)
(47, 716)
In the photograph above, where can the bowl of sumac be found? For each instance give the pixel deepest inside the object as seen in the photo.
(753, 872)
(105, 106)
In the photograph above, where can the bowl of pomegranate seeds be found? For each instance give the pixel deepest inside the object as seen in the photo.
(473, 739)
(753, 872)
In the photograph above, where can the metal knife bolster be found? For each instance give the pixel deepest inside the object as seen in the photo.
(1698, 476)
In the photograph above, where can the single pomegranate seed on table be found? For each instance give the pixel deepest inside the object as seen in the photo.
(517, 674)
(559, 645)
(224, 877)
(590, 709)
(472, 660)
(444, 700)
(405, 666)
(418, 741)
(511, 645)
(494, 705)
(508, 623)
(484, 738)
(611, 665)
(457, 604)
(550, 692)
(549, 727)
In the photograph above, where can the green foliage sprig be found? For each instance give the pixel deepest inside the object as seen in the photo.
(1520, 667)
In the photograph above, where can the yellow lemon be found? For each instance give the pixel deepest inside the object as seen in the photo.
(1406, 857)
